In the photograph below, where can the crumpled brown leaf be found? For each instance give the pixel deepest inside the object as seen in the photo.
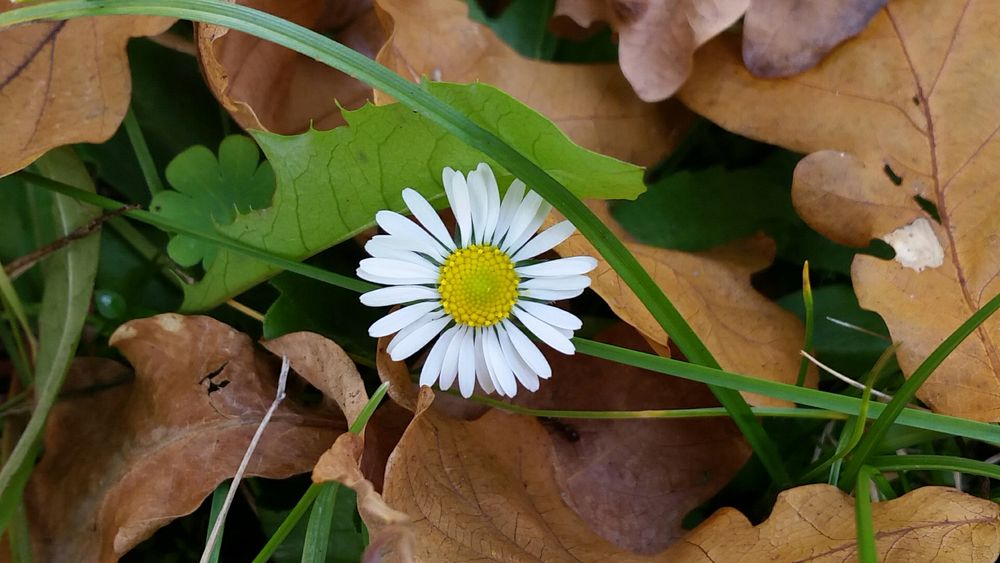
(657, 38)
(264, 86)
(58, 85)
(122, 461)
(633, 481)
(391, 529)
(746, 332)
(592, 104)
(816, 523)
(786, 37)
(908, 101)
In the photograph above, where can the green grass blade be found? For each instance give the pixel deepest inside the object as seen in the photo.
(69, 282)
(218, 499)
(926, 462)
(331, 53)
(142, 154)
(908, 390)
(863, 518)
(320, 519)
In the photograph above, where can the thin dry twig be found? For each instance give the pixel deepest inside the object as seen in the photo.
(21, 265)
(221, 518)
(842, 377)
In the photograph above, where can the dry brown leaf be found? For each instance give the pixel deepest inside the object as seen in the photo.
(816, 523)
(911, 99)
(785, 37)
(746, 332)
(657, 38)
(593, 103)
(268, 87)
(326, 366)
(122, 461)
(633, 481)
(58, 85)
(484, 490)
(391, 529)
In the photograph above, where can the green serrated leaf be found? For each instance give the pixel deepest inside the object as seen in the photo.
(211, 192)
(331, 183)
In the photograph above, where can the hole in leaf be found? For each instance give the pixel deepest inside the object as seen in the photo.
(916, 100)
(928, 207)
(893, 177)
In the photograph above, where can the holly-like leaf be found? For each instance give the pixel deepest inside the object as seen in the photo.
(331, 183)
(211, 192)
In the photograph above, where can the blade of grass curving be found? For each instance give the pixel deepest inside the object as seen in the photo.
(317, 540)
(926, 462)
(807, 343)
(908, 390)
(863, 525)
(331, 53)
(69, 281)
(315, 489)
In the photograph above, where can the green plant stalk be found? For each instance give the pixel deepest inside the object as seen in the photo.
(218, 499)
(908, 390)
(802, 395)
(863, 525)
(883, 486)
(807, 344)
(142, 154)
(331, 53)
(927, 462)
(707, 412)
(12, 302)
(10, 339)
(18, 534)
(315, 489)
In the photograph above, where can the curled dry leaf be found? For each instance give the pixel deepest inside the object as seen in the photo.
(121, 461)
(657, 38)
(391, 530)
(54, 73)
(927, 152)
(816, 523)
(746, 332)
(633, 481)
(268, 87)
(326, 366)
(592, 104)
(786, 37)
(484, 490)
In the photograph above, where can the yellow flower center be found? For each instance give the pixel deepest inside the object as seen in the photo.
(478, 285)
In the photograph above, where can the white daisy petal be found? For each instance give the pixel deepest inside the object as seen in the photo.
(380, 246)
(552, 315)
(545, 241)
(479, 201)
(431, 370)
(550, 294)
(398, 225)
(545, 332)
(389, 268)
(467, 365)
(418, 338)
(524, 374)
(428, 217)
(521, 218)
(511, 201)
(461, 207)
(401, 318)
(398, 294)
(386, 280)
(483, 374)
(492, 200)
(566, 283)
(411, 328)
(449, 365)
(527, 349)
(497, 360)
(543, 211)
(572, 266)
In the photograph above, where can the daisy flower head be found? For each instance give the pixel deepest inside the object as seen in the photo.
(479, 291)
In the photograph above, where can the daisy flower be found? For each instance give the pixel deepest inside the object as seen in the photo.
(481, 289)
